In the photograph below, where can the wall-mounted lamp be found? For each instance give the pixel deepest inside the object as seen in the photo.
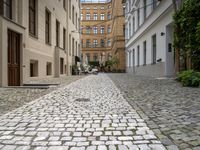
(162, 34)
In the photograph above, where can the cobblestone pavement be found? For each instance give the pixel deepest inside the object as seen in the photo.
(170, 110)
(88, 114)
(11, 98)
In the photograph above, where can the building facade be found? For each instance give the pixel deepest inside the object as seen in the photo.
(35, 39)
(103, 37)
(149, 38)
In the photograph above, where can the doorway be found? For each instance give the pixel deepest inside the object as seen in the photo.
(133, 60)
(13, 58)
(170, 62)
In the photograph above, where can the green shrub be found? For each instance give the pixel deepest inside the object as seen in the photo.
(189, 78)
(94, 63)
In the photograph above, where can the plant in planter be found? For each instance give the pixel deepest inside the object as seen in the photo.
(74, 70)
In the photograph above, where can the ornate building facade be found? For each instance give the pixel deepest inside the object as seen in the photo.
(103, 36)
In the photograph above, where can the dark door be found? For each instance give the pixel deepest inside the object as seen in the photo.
(13, 58)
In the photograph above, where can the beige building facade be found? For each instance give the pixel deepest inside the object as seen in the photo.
(34, 40)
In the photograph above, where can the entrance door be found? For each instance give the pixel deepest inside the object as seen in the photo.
(170, 63)
(13, 58)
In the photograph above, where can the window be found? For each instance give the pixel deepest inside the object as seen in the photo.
(33, 68)
(88, 57)
(88, 8)
(64, 38)
(133, 25)
(70, 44)
(81, 16)
(129, 62)
(95, 43)
(73, 42)
(61, 65)
(138, 17)
(154, 4)
(145, 9)
(102, 29)
(47, 27)
(109, 42)
(109, 16)
(49, 68)
(87, 30)
(102, 43)
(87, 43)
(76, 23)
(154, 49)
(73, 14)
(145, 52)
(124, 30)
(95, 17)
(95, 30)
(64, 4)
(109, 29)
(6, 8)
(32, 17)
(95, 57)
(79, 47)
(129, 29)
(70, 8)
(57, 33)
(76, 48)
(138, 55)
(81, 30)
(88, 16)
(95, 7)
(102, 17)
(102, 7)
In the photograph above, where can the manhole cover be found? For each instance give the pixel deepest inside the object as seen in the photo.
(82, 100)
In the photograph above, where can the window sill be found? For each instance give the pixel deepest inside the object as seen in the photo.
(48, 44)
(33, 36)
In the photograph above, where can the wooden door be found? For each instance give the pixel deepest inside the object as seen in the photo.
(13, 58)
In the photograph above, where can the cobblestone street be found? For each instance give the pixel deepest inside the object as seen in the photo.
(12, 98)
(170, 110)
(87, 114)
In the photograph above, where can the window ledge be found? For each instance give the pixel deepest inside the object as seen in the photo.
(33, 36)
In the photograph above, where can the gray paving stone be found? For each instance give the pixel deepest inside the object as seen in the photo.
(9, 147)
(41, 148)
(165, 106)
(58, 148)
(91, 148)
(157, 147)
(122, 147)
(77, 148)
(23, 148)
(58, 119)
(102, 147)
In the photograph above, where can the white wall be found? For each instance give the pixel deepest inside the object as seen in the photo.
(155, 23)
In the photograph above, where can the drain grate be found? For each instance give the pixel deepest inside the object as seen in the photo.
(82, 100)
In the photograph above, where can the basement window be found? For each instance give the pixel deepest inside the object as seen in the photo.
(33, 68)
(61, 66)
(49, 68)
